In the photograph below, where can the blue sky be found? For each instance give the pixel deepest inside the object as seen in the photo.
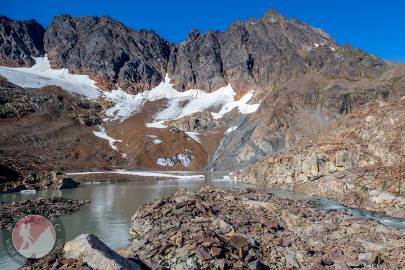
(375, 26)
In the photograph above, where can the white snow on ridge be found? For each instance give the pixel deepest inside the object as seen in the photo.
(241, 104)
(41, 74)
(180, 104)
(103, 135)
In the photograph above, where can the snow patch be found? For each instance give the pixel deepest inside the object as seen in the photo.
(194, 136)
(103, 135)
(156, 125)
(157, 141)
(41, 74)
(180, 104)
(242, 105)
(231, 129)
(183, 158)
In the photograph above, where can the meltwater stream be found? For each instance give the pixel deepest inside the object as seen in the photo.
(112, 206)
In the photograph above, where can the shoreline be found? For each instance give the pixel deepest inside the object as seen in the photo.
(214, 228)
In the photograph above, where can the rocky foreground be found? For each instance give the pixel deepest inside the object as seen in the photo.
(217, 229)
(11, 212)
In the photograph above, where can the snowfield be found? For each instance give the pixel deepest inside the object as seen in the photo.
(179, 104)
(41, 74)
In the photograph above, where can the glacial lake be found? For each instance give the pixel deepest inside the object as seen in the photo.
(113, 204)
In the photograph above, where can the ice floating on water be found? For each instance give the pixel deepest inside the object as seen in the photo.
(28, 191)
(41, 74)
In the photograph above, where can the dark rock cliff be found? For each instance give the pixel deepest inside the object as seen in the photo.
(20, 41)
(108, 51)
(252, 53)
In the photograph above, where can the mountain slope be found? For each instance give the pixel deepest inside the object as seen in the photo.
(299, 109)
(359, 159)
(258, 88)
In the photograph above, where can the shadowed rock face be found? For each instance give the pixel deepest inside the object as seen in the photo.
(107, 50)
(20, 41)
(253, 53)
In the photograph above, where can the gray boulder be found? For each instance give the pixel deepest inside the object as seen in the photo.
(67, 182)
(89, 249)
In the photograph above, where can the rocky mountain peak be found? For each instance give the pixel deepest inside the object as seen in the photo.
(108, 51)
(254, 53)
(20, 41)
(194, 34)
(273, 16)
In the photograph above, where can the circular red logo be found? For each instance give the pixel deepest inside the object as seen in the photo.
(33, 237)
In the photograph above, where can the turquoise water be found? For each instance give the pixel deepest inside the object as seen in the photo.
(112, 206)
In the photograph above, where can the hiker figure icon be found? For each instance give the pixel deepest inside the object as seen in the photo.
(26, 236)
